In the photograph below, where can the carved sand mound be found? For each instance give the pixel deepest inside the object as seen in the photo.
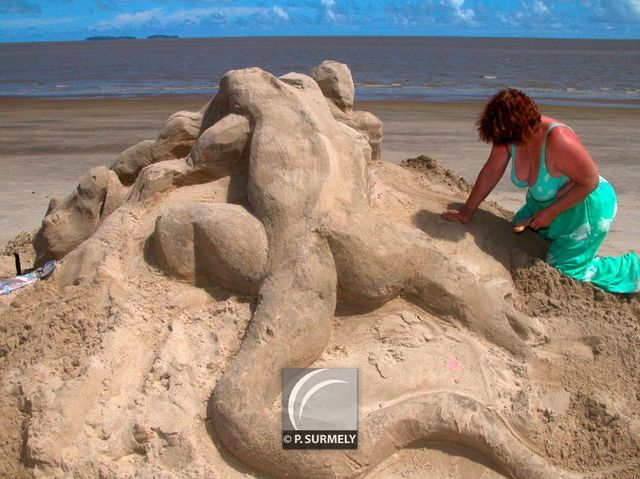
(264, 233)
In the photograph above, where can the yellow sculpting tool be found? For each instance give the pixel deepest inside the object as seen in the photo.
(520, 228)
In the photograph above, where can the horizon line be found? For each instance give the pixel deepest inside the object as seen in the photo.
(177, 37)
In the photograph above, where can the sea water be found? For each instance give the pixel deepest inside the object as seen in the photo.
(384, 68)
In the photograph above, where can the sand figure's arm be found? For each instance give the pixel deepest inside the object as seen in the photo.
(217, 153)
(219, 149)
(378, 260)
(175, 140)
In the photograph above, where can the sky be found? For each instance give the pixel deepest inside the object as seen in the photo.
(51, 20)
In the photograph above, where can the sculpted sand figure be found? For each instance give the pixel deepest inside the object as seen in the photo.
(298, 232)
(322, 244)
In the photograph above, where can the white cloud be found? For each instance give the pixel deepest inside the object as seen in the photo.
(631, 5)
(281, 12)
(507, 19)
(530, 14)
(539, 8)
(135, 18)
(456, 4)
(429, 15)
(190, 15)
(242, 11)
(328, 5)
(159, 17)
(625, 11)
(464, 14)
(197, 14)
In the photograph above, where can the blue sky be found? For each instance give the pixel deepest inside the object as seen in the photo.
(43, 20)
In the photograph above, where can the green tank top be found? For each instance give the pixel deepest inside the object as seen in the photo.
(546, 186)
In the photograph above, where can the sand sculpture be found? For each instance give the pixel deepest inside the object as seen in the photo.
(278, 200)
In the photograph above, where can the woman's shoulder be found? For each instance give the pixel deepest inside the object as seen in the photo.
(548, 121)
(558, 130)
(561, 133)
(563, 145)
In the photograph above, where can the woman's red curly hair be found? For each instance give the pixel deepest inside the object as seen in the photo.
(509, 117)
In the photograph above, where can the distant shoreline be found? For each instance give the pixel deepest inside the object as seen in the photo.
(108, 38)
(405, 102)
(254, 37)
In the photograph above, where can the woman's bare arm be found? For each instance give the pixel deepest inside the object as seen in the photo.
(487, 179)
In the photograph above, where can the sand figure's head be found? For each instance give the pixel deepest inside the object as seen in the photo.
(336, 83)
(70, 221)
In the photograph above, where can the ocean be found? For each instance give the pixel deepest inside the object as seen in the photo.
(430, 69)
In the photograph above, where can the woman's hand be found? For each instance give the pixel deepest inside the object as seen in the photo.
(459, 216)
(542, 219)
(487, 179)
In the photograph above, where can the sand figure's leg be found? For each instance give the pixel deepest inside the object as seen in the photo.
(378, 260)
(450, 417)
(290, 328)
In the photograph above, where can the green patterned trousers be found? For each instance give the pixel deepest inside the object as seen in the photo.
(576, 235)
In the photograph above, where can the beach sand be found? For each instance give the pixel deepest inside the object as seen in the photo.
(109, 366)
(47, 145)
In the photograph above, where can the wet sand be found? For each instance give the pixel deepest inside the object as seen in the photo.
(46, 145)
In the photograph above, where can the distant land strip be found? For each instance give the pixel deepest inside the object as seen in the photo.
(150, 37)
